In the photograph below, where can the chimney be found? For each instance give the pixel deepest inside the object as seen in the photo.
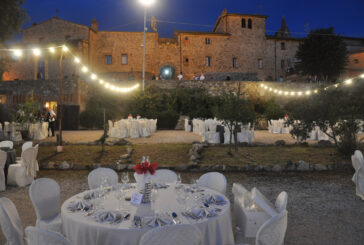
(94, 25)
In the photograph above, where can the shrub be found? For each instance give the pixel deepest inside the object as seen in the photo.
(273, 111)
(167, 119)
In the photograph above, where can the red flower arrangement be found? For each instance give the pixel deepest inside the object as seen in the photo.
(145, 167)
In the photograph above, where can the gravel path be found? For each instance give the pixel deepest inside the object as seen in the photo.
(323, 208)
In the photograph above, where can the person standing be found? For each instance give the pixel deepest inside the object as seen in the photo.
(51, 116)
(180, 76)
(202, 77)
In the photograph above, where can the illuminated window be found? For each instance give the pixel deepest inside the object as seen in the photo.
(260, 64)
(108, 59)
(124, 59)
(208, 61)
(235, 62)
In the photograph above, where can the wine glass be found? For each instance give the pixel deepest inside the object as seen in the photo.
(153, 199)
(125, 178)
(179, 179)
(120, 196)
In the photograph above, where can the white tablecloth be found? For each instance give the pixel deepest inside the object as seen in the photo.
(84, 230)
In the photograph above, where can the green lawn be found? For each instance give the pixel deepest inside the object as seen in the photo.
(270, 155)
(177, 154)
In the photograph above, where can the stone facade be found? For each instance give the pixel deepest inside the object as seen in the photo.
(355, 65)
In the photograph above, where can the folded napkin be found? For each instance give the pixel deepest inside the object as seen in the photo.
(91, 195)
(214, 199)
(113, 217)
(160, 186)
(80, 205)
(157, 221)
(200, 213)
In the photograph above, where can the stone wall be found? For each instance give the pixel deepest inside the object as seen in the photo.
(250, 89)
(74, 91)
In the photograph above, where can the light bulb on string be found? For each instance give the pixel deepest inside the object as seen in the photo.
(308, 92)
(65, 48)
(36, 51)
(77, 60)
(362, 76)
(101, 81)
(18, 52)
(93, 76)
(52, 50)
(84, 69)
(348, 82)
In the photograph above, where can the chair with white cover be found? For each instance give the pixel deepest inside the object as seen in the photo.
(165, 176)
(7, 143)
(10, 223)
(187, 126)
(172, 235)
(281, 202)
(134, 129)
(213, 180)
(359, 182)
(40, 236)
(45, 196)
(273, 231)
(96, 176)
(3, 157)
(26, 145)
(25, 170)
(357, 161)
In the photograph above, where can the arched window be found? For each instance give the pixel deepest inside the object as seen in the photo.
(243, 24)
(250, 24)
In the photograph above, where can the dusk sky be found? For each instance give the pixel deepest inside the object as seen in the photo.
(347, 17)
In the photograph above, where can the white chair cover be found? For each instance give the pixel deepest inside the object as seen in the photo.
(134, 129)
(23, 172)
(3, 157)
(26, 145)
(165, 176)
(357, 161)
(263, 202)
(273, 231)
(359, 182)
(213, 180)
(172, 235)
(11, 223)
(95, 177)
(45, 196)
(39, 236)
(281, 202)
(7, 143)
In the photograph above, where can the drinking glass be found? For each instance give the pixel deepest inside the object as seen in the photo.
(125, 179)
(179, 179)
(153, 199)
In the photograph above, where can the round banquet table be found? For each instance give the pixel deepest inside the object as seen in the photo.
(84, 230)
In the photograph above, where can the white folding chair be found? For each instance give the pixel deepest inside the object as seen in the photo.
(273, 231)
(7, 143)
(45, 196)
(172, 235)
(23, 172)
(3, 157)
(26, 145)
(96, 176)
(281, 202)
(11, 223)
(40, 236)
(165, 176)
(213, 180)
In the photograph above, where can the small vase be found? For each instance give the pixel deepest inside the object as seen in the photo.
(141, 179)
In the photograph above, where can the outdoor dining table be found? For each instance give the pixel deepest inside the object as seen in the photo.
(10, 159)
(81, 228)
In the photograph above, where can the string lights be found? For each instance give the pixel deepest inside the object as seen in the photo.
(307, 92)
(84, 69)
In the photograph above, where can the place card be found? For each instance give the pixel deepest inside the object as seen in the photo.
(136, 198)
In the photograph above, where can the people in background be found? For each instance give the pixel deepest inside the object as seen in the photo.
(228, 78)
(195, 77)
(202, 77)
(153, 77)
(180, 76)
(138, 116)
(281, 79)
(51, 117)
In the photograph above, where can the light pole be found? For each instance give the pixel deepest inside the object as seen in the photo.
(146, 4)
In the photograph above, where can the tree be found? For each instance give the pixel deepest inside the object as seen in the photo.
(12, 17)
(322, 54)
(233, 110)
(336, 112)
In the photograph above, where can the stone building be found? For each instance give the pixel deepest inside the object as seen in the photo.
(237, 48)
